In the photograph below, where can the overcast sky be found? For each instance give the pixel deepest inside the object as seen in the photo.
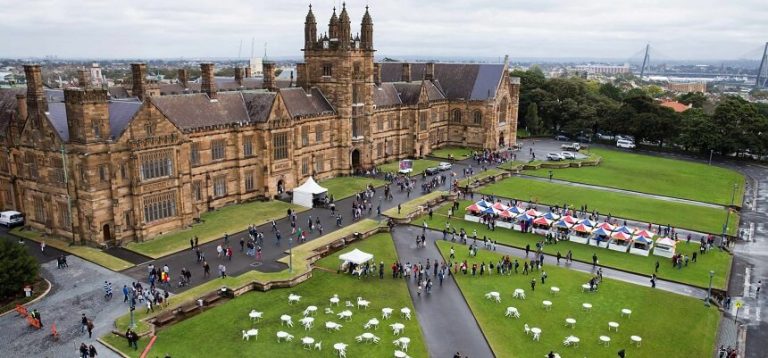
(676, 29)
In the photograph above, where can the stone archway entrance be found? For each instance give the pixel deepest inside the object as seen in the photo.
(356, 159)
(280, 186)
(502, 142)
(107, 234)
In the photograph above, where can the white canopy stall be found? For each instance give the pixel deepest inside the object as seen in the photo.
(308, 192)
(354, 260)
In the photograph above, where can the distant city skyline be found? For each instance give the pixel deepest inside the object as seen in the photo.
(617, 30)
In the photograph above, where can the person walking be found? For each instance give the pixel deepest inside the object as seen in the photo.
(91, 351)
(222, 271)
(206, 269)
(657, 266)
(89, 325)
(83, 323)
(653, 280)
(533, 285)
(125, 293)
(594, 260)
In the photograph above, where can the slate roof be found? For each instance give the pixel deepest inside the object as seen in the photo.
(408, 92)
(118, 92)
(300, 103)
(457, 80)
(120, 115)
(197, 110)
(385, 95)
(258, 105)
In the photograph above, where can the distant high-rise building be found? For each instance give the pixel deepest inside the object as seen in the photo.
(603, 69)
(257, 66)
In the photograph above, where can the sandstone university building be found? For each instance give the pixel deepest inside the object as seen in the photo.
(110, 165)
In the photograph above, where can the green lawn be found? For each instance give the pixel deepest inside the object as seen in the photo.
(230, 219)
(88, 253)
(342, 187)
(670, 325)
(480, 176)
(411, 206)
(458, 153)
(655, 175)
(628, 206)
(694, 274)
(220, 327)
(418, 166)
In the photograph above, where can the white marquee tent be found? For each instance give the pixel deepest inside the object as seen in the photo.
(356, 257)
(305, 194)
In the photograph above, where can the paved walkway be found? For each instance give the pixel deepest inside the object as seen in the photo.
(446, 321)
(75, 290)
(272, 250)
(622, 191)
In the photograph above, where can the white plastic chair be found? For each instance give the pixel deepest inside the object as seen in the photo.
(527, 329)
(246, 337)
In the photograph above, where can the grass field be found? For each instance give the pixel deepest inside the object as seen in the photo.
(628, 206)
(219, 329)
(670, 325)
(457, 152)
(342, 187)
(230, 219)
(411, 206)
(655, 175)
(694, 274)
(91, 254)
(480, 176)
(418, 166)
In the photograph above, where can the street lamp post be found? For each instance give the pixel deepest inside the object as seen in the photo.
(711, 151)
(728, 212)
(290, 254)
(709, 290)
(133, 308)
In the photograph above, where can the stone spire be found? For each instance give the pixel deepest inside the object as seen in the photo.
(345, 32)
(366, 38)
(310, 29)
(333, 26)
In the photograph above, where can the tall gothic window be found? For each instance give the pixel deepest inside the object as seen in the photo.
(478, 117)
(159, 206)
(247, 146)
(218, 149)
(156, 164)
(280, 144)
(456, 116)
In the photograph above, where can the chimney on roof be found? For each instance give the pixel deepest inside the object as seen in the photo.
(269, 76)
(87, 114)
(406, 72)
(208, 83)
(36, 102)
(301, 76)
(21, 107)
(139, 75)
(429, 75)
(377, 73)
(248, 73)
(183, 77)
(83, 78)
(239, 75)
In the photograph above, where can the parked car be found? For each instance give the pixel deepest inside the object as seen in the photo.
(11, 218)
(431, 170)
(562, 137)
(568, 155)
(605, 136)
(573, 147)
(584, 138)
(623, 143)
(444, 166)
(554, 156)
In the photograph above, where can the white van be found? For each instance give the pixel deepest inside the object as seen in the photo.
(11, 218)
(623, 143)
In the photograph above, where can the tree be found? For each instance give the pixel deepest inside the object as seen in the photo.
(532, 120)
(695, 99)
(17, 268)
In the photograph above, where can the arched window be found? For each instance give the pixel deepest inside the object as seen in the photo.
(478, 117)
(456, 117)
(503, 107)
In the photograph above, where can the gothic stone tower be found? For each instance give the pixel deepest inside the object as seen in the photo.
(341, 66)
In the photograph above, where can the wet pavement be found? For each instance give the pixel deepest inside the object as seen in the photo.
(75, 290)
(273, 250)
(447, 323)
